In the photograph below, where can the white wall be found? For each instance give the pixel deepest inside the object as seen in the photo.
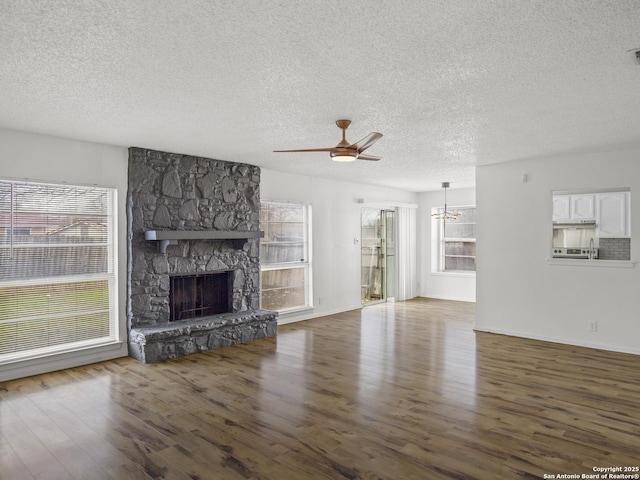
(51, 159)
(336, 223)
(448, 286)
(518, 291)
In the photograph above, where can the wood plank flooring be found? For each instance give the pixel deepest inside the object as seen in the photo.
(392, 391)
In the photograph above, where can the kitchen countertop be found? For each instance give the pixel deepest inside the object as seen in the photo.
(576, 262)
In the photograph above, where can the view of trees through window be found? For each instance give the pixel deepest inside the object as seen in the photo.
(57, 267)
(284, 256)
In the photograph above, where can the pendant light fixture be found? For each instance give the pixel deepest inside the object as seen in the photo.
(445, 214)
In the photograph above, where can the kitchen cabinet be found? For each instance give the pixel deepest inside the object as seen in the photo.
(568, 208)
(613, 215)
(561, 208)
(583, 207)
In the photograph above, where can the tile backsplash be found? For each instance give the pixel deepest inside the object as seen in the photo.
(615, 249)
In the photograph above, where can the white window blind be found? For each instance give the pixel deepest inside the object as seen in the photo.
(57, 268)
(407, 253)
(285, 256)
(457, 240)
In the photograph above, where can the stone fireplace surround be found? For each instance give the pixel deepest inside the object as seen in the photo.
(210, 212)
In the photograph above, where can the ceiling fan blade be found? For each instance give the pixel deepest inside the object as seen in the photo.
(368, 157)
(366, 142)
(328, 149)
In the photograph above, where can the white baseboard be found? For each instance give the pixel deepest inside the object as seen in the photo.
(563, 341)
(449, 297)
(285, 319)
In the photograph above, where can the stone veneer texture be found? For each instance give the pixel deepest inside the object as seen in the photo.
(169, 191)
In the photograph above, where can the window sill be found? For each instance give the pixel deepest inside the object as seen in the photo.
(62, 360)
(455, 274)
(73, 350)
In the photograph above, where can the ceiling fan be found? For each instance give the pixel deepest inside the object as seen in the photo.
(345, 151)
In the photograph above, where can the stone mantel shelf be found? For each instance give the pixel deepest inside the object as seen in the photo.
(171, 237)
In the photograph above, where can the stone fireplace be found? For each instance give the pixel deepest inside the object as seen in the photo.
(194, 264)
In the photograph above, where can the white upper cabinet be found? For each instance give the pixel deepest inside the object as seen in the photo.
(613, 214)
(561, 208)
(583, 207)
(574, 207)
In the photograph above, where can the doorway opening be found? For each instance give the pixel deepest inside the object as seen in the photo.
(377, 255)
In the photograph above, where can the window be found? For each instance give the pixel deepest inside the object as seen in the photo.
(456, 241)
(57, 269)
(285, 256)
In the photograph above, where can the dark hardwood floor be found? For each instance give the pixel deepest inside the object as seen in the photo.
(394, 391)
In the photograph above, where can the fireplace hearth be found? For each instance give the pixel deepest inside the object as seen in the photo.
(193, 230)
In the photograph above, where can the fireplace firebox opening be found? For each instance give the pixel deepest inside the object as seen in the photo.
(200, 295)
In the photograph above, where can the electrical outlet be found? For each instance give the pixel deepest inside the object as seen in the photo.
(320, 300)
(592, 326)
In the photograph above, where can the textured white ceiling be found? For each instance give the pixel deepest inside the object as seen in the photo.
(450, 83)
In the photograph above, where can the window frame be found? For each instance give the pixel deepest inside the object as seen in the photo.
(305, 265)
(78, 278)
(439, 241)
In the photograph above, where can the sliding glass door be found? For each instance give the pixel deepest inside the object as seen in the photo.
(377, 255)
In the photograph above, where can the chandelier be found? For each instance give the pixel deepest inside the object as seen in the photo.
(445, 214)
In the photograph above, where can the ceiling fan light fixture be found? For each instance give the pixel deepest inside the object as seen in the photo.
(344, 157)
(344, 151)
